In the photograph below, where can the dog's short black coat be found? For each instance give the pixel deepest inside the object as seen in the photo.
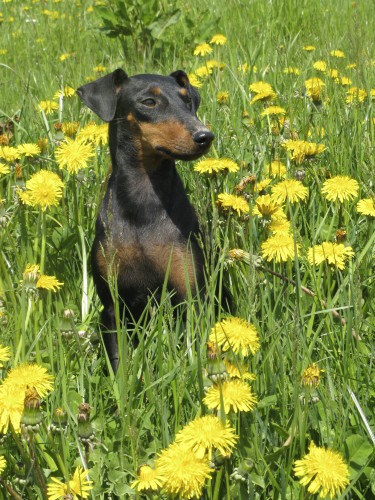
(146, 228)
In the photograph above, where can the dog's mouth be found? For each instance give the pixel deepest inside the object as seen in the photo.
(184, 156)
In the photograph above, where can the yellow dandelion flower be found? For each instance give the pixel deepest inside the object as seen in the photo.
(262, 185)
(266, 206)
(366, 207)
(340, 187)
(203, 72)
(29, 149)
(346, 81)
(43, 189)
(302, 150)
(213, 165)
(234, 394)
(3, 464)
(351, 66)
(74, 155)
(279, 224)
(291, 190)
(237, 335)
(194, 81)
(324, 470)
(238, 370)
(233, 202)
(263, 96)
(219, 39)
(263, 90)
(356, 95)
(335, 254)
(98, 134)
(309, 48)
(65, 56)
(148, 479)
(30, 375)
(79, 485)
(246, 68)
(276, 169)
(320, 66)
(69, 91)
(311, 376)
(70, 128)
(57, 490)
(273, 110)
(4, 169)
(48, 106)
(202, 49)
(290, 70)
(315, 88)
(212, 64)
(281, 247)
(184, 472)
(9, 153)
(205, 434)
(337, 53)
(223, 97)
(11, 407)
(334, 73)
(49, 283)
(5, 354)
(100, 69)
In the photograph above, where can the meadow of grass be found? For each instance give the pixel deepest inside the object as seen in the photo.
(307, 315)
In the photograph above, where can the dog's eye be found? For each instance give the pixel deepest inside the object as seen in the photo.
(150, 103)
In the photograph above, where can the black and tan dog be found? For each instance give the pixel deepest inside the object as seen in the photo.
(146, 228)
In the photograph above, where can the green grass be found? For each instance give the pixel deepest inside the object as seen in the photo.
(160, 385)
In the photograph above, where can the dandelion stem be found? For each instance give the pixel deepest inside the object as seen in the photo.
(43, 245)
(38, 471)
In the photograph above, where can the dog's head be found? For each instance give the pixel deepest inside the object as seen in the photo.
(159, 110)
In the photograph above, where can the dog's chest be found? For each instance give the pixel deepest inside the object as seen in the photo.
(143, 258)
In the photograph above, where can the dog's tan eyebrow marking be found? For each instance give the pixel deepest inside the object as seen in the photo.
(155, 90)
(184, 92)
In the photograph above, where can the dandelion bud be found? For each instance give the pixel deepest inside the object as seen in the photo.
(32, 416)
(216, 371)
(18, 171)
(213, 350)
(20, 476)
(59, 423)
(300, 175)
(43, 144)
(341, 235)
(67, 323)
(85, 430)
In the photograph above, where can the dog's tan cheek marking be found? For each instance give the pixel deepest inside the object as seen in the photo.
(184, 92)
(166, 134)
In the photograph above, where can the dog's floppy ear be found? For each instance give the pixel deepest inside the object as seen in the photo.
(183, 80)
(101, 95)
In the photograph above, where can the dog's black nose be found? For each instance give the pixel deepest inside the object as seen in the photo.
(203, 137)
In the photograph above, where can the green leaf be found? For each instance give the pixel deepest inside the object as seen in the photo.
(158, 27)
(358, 450)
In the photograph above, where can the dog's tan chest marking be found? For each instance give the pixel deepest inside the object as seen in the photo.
(129, 262)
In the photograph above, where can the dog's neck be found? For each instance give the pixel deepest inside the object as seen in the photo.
(141, 181)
